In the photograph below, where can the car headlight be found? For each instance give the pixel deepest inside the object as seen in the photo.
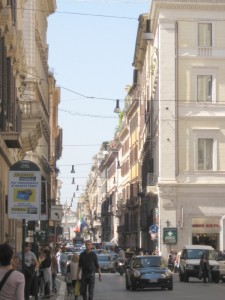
(137, 273)
(190, 267)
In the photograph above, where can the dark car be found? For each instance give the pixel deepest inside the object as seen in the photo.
(148, 271)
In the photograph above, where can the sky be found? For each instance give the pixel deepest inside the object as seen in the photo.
(91, 50)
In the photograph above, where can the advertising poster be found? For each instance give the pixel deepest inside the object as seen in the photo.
(24, 194)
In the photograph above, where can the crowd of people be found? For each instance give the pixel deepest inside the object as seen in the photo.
(26, 273)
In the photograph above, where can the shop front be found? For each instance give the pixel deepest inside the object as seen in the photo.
(206, 231)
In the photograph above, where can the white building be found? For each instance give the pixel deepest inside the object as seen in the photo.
(189, 59)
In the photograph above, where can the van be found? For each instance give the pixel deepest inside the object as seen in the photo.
(190, 260)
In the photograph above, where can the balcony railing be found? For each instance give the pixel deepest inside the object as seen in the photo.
(34, 110)
(205, 51)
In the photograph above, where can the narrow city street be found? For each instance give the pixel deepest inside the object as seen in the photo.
(113, 287)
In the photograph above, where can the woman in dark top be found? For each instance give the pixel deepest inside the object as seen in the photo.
(204, 269)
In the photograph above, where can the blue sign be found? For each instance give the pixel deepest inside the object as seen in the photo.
(153, 228)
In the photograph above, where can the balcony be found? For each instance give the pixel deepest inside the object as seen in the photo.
(12, 139)
(35, 120)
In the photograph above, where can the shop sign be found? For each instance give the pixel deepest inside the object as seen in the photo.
(56, 213)
(206, 225)
(24, 191)
(170, 235)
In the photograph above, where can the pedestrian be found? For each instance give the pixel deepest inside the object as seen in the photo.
(54, 267)
(63, 261)
(204, 269)
(58, 254)
(12, 288)
(68, 280)
(45, 268)
(88, 263)
(30, 264)
(74, 262)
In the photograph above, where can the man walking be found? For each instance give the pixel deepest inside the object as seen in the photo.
(31, 263)
(88, 263)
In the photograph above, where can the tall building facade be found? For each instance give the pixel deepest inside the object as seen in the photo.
(29, 102)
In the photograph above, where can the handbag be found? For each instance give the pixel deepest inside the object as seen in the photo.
(5, 278)
(77, 288)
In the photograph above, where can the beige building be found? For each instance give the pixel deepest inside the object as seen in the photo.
(29, 102)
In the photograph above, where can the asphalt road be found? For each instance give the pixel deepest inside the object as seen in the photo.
(112, 287)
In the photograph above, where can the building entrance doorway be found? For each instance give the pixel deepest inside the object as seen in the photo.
(206, 239)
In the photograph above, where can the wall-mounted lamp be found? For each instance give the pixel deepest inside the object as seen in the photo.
(72, 171)
(118, 165)
(117, 108)
(105, 151)
(77, 189)
(73, 181)
(74, 195)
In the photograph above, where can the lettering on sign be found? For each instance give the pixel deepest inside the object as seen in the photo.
(206, 225)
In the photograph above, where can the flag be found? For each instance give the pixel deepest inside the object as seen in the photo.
(83, 225)
(77, 227)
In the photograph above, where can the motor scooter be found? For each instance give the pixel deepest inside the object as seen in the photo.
(121, 266)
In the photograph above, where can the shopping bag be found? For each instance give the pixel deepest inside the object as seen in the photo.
(77, 288)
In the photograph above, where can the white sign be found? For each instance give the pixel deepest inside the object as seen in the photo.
(56, 213)
(24, 194)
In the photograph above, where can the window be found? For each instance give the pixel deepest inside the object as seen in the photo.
(205, 35)
(205, 154)
(204, 88)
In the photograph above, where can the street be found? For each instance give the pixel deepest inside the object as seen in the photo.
(112, 287)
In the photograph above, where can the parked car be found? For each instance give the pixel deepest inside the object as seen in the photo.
(106, 263)
(220, 257)
(190, 260)
(148, 271)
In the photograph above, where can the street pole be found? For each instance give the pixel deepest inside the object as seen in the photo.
(23, 244)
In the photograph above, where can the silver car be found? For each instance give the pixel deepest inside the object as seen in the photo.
(106, 263)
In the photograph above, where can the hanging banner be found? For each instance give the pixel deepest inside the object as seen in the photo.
(24, 191)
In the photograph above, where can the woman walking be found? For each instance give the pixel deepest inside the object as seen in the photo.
(204, 269)
(73, 270)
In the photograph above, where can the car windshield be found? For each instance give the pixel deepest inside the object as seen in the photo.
(197, 254)
(145, 262)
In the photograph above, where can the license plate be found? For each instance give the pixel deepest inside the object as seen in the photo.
(153, 280)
